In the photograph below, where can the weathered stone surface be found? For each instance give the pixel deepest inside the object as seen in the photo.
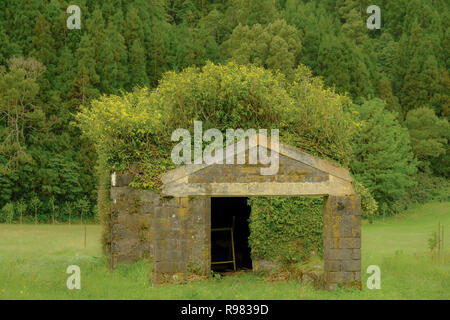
(294, 177)
(173, 232)
(121, 179)
(351, 265)
(338, 254)
(288, 171)
(293, 156)
(356, 254)
(333, 265)
(342, 241)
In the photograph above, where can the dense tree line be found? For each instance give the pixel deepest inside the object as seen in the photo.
(397, 77)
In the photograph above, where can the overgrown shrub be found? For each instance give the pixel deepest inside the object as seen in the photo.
(369, 205)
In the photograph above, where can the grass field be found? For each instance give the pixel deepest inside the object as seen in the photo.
(33, 261)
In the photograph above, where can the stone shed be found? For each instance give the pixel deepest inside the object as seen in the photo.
(173, 227)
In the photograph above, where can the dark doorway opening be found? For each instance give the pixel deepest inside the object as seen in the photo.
(223, 209)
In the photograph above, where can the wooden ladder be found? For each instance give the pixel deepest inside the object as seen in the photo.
(231, 230)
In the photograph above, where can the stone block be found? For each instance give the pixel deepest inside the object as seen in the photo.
(351, 265)
(355, 221)
(339, 277)
(161, 213)
(356, 254)
(121, 179)
(349, 243)
(120, 193)
(356, 232)
(342, 243)
(147, 196)
(337, 254)
(333, 265)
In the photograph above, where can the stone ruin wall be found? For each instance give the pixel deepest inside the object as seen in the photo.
(172, 232)
(175, 234)
(342, 241)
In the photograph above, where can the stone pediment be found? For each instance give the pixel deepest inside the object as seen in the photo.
(298, 174)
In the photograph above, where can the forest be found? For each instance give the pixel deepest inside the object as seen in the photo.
(394, 83)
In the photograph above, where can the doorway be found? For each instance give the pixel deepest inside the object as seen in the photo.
(223, 211)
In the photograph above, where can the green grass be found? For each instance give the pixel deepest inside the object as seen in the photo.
(33, 260)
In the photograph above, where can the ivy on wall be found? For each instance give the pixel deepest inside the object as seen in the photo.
(285, 229)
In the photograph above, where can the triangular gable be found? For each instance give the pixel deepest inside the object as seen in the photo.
(283, 149)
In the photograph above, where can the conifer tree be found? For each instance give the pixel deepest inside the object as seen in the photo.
(133, 29)
(65, 73)
(5, 48)
(354, 27)
(114, 58)
(157, 55)
(137, 68)
(421, 80)
(87, 78)
(42, 44)
(342, 66)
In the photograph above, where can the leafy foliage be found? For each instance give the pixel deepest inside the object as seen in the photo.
(382, 159)
(428, 134)
(134, 128)
(276, 46)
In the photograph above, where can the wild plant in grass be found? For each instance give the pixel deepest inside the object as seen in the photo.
(432, 241)
(35, 203)
(21, 208)
(68, 207)
(436, 241)
(53, 206)
(83, 206)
